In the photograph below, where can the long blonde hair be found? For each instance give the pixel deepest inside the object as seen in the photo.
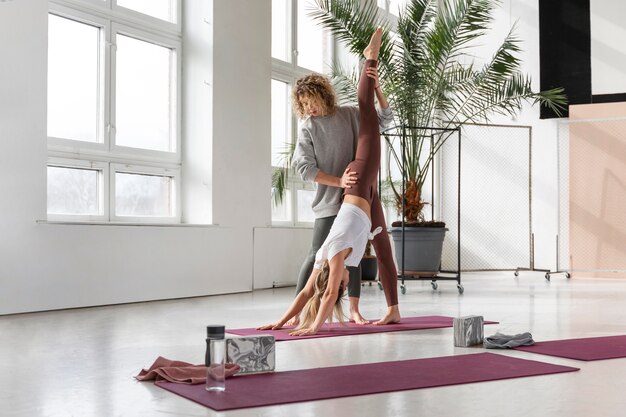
(312, 307)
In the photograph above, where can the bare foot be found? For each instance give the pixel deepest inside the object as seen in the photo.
(356, 317)
(293, 322)
(371, 51)
(392, 316)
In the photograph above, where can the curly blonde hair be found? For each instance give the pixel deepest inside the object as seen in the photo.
(316, 87)
(310, 310)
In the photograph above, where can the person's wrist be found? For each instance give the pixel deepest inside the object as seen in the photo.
(377, 87)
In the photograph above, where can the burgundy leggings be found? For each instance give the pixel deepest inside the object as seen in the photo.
(367, 164)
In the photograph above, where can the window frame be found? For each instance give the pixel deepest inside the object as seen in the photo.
(173, 173)
(110, 8)
(102, 137)
(288, 72)
(105, 155)
(103, 184)
(175, 103)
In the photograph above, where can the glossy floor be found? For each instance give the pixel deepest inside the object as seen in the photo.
(81, 362)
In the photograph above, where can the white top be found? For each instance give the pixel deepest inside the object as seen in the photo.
(351, 229)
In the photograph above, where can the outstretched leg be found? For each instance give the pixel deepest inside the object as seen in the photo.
(367, 159)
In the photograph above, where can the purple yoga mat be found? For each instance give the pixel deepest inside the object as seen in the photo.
(336, 329)
(587, 349)
(345, 381)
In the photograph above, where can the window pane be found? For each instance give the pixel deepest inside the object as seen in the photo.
(143, 195)
(143, 95)
(305, 199)
(73, 191)
(72, 79)
(311, 40)
(280, 121)
(282, 213)
(161, 9)
(395, 5)
(280, 30)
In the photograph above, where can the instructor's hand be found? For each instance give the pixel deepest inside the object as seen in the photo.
(349, 178)
(372, 72)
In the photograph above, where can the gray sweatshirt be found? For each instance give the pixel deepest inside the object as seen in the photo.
(328, 144)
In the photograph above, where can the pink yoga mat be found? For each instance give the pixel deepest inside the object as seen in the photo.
(587, 349)
(348, 329)
(345, 381)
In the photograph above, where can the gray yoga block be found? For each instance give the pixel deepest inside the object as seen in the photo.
(468, 331)
(254, 354)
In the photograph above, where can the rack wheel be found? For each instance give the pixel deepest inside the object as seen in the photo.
(403, 289)
(380, 286)
(548, 276)
(460, 288)
(434, 284)
(516, 273)
(567, 275)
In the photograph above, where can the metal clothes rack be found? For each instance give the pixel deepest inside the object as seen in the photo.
(548, 272)
(441, 275)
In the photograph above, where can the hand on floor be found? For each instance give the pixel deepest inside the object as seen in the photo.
(308, 331)
(275, 326)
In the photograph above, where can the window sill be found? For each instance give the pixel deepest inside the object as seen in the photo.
(86, 223)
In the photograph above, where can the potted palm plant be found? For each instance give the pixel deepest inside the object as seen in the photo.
(428, 72)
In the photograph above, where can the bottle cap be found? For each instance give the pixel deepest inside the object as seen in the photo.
(215, 330)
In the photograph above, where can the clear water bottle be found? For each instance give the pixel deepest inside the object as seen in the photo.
(216, 370)
(215, 358)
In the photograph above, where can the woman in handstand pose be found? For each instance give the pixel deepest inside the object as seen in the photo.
(360, 212)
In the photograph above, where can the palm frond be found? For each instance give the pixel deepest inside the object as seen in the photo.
(428, 73)
(345, 84)
(352, 22)
(280, 173)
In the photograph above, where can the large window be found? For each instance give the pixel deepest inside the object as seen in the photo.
(113, 111)
(299, 47)
(392, 6)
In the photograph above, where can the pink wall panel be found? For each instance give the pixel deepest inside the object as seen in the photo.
(597, 189)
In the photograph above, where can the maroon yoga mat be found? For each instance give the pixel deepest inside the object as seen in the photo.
(345, 381)
(348, 329)
(587, 349)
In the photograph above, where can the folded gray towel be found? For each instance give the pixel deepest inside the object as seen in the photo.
(503, 341)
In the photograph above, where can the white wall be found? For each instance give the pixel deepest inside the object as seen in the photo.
(51, 266)
(525, 15)
(608, 50)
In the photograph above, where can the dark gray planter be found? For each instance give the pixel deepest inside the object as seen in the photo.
(423, 246)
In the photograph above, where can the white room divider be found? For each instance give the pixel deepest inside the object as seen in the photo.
(495, 193)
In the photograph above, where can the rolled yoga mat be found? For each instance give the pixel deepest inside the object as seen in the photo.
(586, 349)
(348, 329)
(373, 378)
